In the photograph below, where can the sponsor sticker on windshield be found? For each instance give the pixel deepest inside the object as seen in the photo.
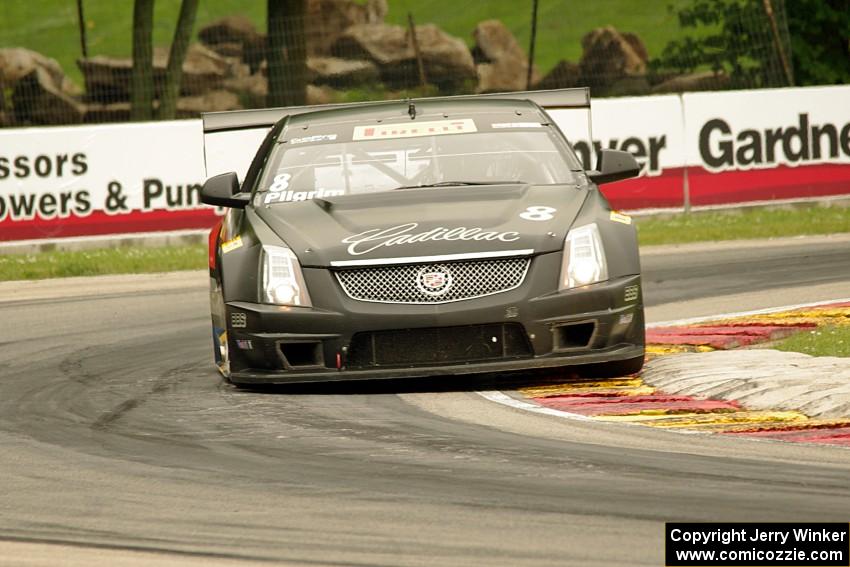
(517, 125)
(414, 129)
(316, 138)
(292, 196)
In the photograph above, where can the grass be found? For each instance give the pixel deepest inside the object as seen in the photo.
(752, 223)
(690, 228)
(130, 260)
(823, 341)
(560, 23)
(50, 26)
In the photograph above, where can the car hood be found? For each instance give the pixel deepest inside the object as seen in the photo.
(411, 223)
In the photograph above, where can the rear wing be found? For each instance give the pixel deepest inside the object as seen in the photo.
(555, 99)
(232, 138)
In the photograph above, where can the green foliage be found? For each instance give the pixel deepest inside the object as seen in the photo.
(731, 36)
(130, 260)
(820, 41)
(823, 341)
(754, 223)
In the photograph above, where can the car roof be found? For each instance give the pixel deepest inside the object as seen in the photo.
(421, 108)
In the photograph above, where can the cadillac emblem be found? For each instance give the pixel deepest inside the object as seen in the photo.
(434, 281)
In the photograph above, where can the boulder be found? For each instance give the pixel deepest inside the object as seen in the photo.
(447, 60)
(251, 90)
(107, 79)
(608, 56)
(637, 85)
(327, 19)
(637, 45)
(187, 107)
(341, 73)
(235, 28)
(97, 113)
(71, 88)
(702, 81)
(37, 100)
(230, 49)
(320, 95)
(236, 36)
(503, 76)
(502, 64)
(203, 69)
(212, 101)
(564, 75)
(495, 42)
(17, 62)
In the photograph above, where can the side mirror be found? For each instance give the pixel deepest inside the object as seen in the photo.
(223, 191)
(614, 165)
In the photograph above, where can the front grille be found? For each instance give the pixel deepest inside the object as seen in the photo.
(433, 282)
(439, 345)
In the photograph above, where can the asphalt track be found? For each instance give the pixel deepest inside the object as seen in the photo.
(119, 445)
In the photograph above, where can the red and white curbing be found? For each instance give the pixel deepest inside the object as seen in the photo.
(694, 381)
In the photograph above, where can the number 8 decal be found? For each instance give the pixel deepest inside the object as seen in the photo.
(538, 213)
(281, 182)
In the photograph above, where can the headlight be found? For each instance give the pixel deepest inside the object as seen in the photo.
(281, 281)
(584, 258)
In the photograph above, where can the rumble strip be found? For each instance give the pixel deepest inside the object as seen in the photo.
(631, 400)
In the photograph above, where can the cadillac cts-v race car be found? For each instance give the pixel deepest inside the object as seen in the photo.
(427, 237)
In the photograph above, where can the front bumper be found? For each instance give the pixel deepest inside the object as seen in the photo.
(598, 323)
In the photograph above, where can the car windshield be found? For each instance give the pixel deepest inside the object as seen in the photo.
(298, 172)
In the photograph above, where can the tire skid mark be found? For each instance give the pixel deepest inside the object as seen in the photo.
(153, 550)
(72, 366)
(164, 383)
(630, 400)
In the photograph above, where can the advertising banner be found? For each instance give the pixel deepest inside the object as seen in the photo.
(93, 180)
(767, 144)
(697, 149)
(651, 129)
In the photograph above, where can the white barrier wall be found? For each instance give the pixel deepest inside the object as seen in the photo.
(652, 129)
(767, 144)
(708, 148)
(87, 180)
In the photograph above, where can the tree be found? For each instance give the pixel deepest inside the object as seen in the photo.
(287, 53)
(734, 37)
(176, 55)
(820, 41)
(141, 79)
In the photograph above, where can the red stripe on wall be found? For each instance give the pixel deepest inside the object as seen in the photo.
(98, 223)
(781, 182)
(661, 191)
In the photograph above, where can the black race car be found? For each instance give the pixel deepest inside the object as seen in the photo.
(424, 237)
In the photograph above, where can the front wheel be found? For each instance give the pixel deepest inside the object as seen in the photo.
(612, 369)
(221, 352)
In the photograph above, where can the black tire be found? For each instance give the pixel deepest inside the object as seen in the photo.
(218, 312)
(612, 369)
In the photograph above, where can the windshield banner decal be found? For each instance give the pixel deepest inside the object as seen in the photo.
(414, 129)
